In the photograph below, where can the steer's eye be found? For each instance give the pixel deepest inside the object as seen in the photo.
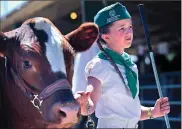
(27, 64)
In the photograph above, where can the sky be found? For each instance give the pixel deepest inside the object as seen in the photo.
(7, 7)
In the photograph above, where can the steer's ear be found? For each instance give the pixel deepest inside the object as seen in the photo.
(83, 37)
(3, 43)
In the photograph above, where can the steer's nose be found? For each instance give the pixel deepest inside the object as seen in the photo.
(70, 112)
(66, 113)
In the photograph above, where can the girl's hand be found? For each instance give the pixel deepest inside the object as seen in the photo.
(161, 107)
(82, 98)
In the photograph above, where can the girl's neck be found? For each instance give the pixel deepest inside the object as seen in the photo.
(116, 49)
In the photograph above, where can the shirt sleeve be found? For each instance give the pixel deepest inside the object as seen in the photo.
(96, 69)
(79, 82)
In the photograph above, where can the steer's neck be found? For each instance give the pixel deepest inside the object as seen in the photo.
(23, 114)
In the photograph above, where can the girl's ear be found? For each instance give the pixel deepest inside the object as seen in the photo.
(105, 37)
(83, 37)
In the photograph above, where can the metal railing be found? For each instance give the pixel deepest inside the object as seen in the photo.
(171, 87)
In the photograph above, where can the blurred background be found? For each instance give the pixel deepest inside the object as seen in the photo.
(164, 21)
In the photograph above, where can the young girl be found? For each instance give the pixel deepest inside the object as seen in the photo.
(113, 87)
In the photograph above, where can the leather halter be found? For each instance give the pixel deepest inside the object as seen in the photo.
(48, 91)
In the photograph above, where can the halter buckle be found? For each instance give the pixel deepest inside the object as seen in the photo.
(37, 105)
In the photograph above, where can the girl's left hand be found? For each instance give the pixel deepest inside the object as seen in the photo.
(161, 107)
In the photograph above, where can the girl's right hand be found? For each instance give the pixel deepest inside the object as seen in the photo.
(82, 98)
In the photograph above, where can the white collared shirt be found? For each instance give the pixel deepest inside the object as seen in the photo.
(115, 98)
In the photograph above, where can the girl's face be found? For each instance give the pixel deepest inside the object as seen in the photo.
(120, 34)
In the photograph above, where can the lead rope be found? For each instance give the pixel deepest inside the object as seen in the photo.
(90, 123)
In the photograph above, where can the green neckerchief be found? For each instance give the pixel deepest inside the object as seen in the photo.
(123, 60)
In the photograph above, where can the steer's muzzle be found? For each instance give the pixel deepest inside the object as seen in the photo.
(61, 110)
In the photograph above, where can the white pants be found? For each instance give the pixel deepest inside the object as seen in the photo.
(116, 122)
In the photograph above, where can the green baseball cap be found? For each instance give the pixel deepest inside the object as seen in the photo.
(111, 14)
